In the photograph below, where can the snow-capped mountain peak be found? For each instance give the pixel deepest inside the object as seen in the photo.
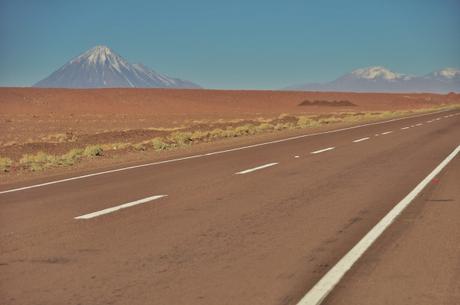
(448, 73)
(101, 55)
(100, 67)
(377, 72)
(380, 79)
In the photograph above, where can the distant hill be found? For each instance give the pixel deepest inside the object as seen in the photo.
(380, 79)
(100, 67)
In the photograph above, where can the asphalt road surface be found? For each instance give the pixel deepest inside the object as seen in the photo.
(255, 225)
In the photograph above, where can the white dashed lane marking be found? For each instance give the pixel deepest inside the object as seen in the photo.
(326, 284)
(119, 207)
(322, 150)
(256, 168)
(360, 140)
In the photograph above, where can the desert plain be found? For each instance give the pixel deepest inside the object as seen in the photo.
(48, 131)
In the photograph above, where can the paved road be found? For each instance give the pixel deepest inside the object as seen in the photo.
(259, 225)
(417, 260)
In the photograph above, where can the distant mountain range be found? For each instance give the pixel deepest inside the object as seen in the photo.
(100, 67)
(380, 79)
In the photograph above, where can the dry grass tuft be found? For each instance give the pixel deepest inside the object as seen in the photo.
(93, 151)
(5, 164)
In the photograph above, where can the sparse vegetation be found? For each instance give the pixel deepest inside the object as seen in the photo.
(180, 138)
(115, 146)
(264, 127)
(139, 146)
(59, 137)
(172, 138)
(73, 156)
(38, 161)
(93, 151)
(216, 133)
(246, 129)
(5, 164)
(334, 103)
(159, 144)
(42, 160)
(200, 135)
(305, 122)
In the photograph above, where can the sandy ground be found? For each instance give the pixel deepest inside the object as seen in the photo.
(31, 113)
(57, 120)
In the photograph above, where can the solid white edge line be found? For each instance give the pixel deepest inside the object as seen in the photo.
(256, 168)
(322, 150)
(119, 207)
(360, 140)
(319, 292)
(215, 153)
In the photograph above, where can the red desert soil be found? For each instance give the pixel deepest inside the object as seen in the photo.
(56, 120)
(183, 103)
(95, 110)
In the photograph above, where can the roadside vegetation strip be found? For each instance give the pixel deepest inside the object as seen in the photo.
(326, 284)
(247, 171)
(181, 136)
(119, 207)
(218, 152)
(5, 164)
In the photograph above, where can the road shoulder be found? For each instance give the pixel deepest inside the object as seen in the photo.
(416, 261)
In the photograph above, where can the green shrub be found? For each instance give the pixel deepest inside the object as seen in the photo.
(280, 126)
(245, 129)
(229, 132)
(199, 135)
(217, 133)
(159, 144)
(330, 120)
(39, 161)
(71, 157)
(139, 146)
(92, 151)
(5, 164)
(304, 121)
(264, 127)
(181, 138)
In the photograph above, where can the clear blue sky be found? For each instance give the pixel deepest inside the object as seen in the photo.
(232, 44)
